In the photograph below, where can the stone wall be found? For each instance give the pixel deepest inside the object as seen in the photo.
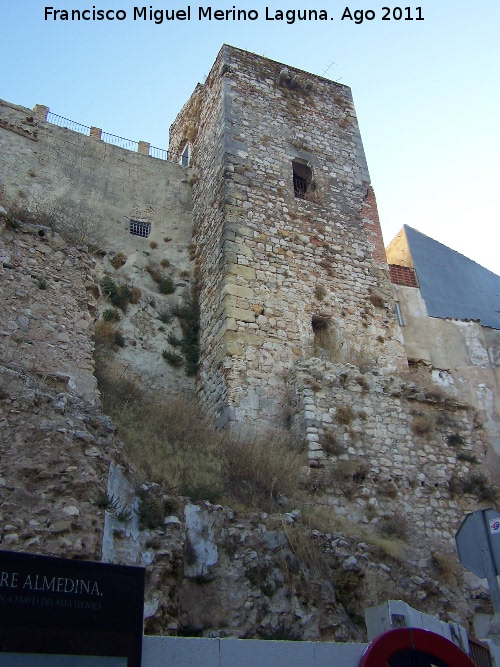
(395, 453)
(274, 266)
(89, 191)
(48, 307)
(215, 572)
(51, 169)
(463, 358)
(56, 443)
(202, 124)
(280, 280)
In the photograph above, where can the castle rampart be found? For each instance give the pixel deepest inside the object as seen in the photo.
(48, 168)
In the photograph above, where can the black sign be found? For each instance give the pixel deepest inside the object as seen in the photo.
(52, 608)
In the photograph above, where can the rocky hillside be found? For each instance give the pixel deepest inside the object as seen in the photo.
(284, 567)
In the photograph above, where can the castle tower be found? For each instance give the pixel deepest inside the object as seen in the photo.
(288, 246)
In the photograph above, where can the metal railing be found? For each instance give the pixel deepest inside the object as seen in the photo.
(161, 154)
(65, 122)
(113, 139)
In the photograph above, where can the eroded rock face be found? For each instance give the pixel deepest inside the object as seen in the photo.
(212, 571)
(56, 443)
(47, 307)
(56, 451)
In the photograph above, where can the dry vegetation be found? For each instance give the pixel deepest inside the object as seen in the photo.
(73, 225)
(169, 443)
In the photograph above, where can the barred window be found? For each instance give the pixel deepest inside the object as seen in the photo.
(139, 228)
(302, 179)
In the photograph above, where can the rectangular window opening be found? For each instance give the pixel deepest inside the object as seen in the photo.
(302, 179)
(185, 156)
(138, 228)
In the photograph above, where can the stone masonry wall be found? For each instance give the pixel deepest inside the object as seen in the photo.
(464, 358)
(48, 306)
(271, 264)
(56, 443)
(399, 454)
(202, 122)
(50, 169)
(90, 190)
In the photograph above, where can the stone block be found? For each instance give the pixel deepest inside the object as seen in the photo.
(244, 338)
(239, 270)
(234, 348)
(239, 249)
(240, 230)
(240, 314)
(60, 527)
(238, 290)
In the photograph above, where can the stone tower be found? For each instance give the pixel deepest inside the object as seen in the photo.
(288, 247)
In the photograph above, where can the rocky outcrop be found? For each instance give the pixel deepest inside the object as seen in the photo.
(215, 572)
(48, 307)
(56, 451)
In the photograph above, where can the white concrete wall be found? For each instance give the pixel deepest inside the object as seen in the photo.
(398, 614)
(495, 653)
(195, 652)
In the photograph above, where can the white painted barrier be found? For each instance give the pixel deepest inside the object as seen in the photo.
(201, 652)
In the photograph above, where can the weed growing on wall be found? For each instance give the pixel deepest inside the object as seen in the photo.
(118, 260)
(111, 315)
(188, 315)
(165, 316)
(151, 512)
(173, 340)
(344, 414)
(111, 504)
(107, 336)
(447, 566)
(395, 525)
(172, 358)
(118, 295)
(475, 484)
(423, 425)
(165, 283)
(320, 292)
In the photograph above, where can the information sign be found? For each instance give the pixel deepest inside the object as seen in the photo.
(62, 612)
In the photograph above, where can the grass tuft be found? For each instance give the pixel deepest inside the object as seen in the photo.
(169, 443)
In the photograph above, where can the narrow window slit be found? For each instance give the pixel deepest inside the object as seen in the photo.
(302, 179)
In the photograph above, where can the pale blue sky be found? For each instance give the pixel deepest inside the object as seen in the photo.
(426, 92)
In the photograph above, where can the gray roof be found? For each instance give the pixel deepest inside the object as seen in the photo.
(453, 285)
